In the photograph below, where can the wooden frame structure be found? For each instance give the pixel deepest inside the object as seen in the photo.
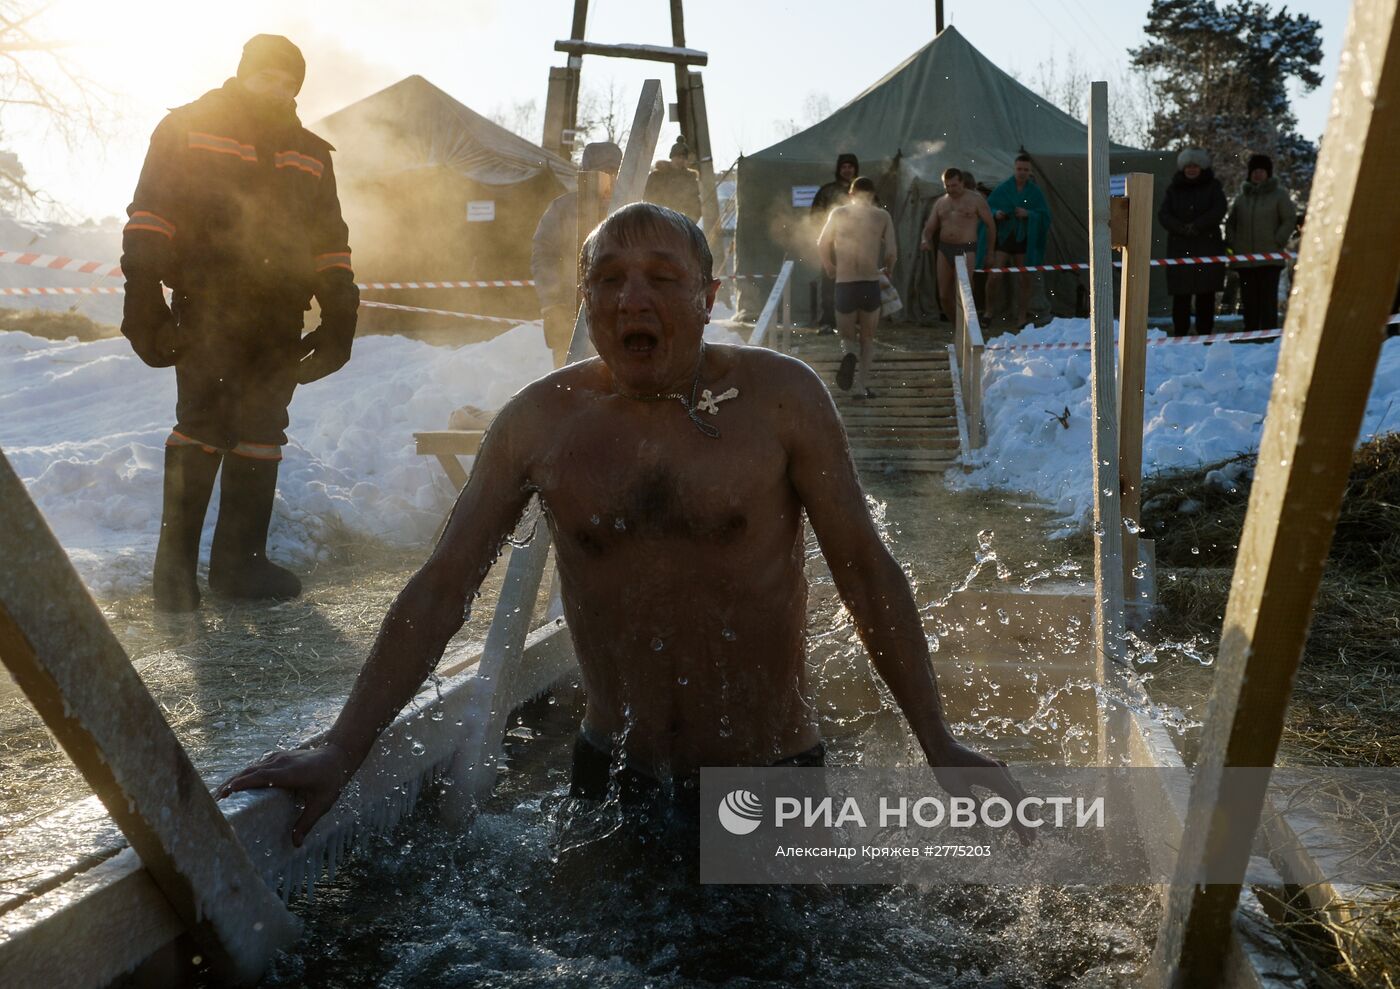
(967, 350)
(561, 102)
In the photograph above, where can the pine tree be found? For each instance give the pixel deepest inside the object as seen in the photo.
(1222, 74)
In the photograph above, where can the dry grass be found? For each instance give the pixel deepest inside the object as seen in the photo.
(55, 325)
(1346, 700)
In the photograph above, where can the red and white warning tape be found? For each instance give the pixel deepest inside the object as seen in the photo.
(113, 290)
(1157, 262)
(106, 269)
(55, 262)
(1394, 320)
(496, 283)
(56, 290)
(440, 312)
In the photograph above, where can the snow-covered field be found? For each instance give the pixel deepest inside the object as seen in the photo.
(84, 425)
(1203, 404)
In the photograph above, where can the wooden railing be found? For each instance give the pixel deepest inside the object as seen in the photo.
(781, 295)
(968, 346)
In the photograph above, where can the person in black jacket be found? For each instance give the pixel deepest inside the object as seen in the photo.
(835, 193)
(236, 211)
(1191, 212)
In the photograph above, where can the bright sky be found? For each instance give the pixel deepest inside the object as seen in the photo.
(766, 59)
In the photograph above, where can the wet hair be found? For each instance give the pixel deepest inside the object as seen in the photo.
(645, 222)
(863, 184)
(1024, 157)
(951, 172)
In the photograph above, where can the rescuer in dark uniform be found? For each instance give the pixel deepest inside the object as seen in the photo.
(236, 211)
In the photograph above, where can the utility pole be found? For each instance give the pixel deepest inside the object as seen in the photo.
(938, 17)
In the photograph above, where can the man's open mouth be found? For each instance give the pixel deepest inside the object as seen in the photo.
(639, 342)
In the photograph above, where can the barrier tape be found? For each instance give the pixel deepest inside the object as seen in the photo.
(1156, 262)
(105, 290)
(1394, 320)
(440, 312)
(55, 262)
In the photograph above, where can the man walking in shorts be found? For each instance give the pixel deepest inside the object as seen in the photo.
(952, 227)
(855, 246)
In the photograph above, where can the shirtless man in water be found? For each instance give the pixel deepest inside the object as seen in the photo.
(678, 530)
(952, 226)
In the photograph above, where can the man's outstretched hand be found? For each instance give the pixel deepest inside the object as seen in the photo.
(960, 768)
(315, 776)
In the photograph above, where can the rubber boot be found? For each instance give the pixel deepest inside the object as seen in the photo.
(189, 480)
(238, 563)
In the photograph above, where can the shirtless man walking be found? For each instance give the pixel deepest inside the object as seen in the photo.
(952, 226)
(675, 476)
(856, 246)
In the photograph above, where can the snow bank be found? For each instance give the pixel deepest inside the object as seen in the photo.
(1203, 404)
(84, 425)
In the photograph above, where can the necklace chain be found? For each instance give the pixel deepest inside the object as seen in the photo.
(706, 428)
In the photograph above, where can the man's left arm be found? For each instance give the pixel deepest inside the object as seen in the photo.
(328, 346)
(870, 581)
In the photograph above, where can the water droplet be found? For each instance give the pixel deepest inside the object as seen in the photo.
(1195, 551)
(1132, 526)
(620, 524)
(682, 680)
(418, 747)
(727, 635)
(657, 645)
(595, 520)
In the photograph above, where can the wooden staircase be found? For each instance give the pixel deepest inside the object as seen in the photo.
(911, 423)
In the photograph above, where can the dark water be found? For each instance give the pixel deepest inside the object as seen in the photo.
(501, 904)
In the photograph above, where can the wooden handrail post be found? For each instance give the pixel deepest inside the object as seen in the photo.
(473, 770)
(1108, 519)
(1132, 370)
(1346, 279)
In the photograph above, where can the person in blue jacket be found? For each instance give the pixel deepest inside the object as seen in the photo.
(1023, 226)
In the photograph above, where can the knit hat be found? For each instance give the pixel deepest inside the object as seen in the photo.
(272, 51)
(1193, 156)
(600, 156)
(1260, 161)
(680, 148)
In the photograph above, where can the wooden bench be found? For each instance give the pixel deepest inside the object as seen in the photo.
(461, 438)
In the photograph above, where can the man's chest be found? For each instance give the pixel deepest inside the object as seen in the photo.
(609, 492)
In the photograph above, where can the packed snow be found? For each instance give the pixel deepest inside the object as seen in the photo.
(1202, 404)
(84, 425)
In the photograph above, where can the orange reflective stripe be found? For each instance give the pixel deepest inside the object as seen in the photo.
(222, 145)
(177, 438)
(144, 220)
(257, 451)
(340, 259)
(295, 159)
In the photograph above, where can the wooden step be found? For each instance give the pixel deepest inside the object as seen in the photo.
(896, 444)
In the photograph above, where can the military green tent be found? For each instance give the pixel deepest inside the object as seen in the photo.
(946, 105)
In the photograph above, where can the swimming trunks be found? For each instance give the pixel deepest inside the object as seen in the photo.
(951, 251)
(853, 296)
(591, 775)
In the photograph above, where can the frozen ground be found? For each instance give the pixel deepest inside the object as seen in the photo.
(84, 425)
(1203, 404)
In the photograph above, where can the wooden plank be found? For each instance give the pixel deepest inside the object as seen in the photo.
(473, 769)
(1108, 520)
(109, 918)
(1345, 282)
(759, 336)
(970, 356)
(705, 163)
(1132, 369)
(62, 654)
(457, 442)
(651, 53)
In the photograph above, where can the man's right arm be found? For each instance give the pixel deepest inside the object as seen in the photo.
(430, 609)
